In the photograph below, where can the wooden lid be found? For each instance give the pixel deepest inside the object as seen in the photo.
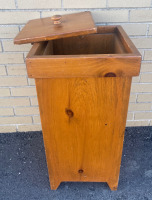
(55, 27)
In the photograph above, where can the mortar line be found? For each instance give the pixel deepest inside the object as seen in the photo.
(28, 81)
(7, 125)
(133, 116)
(147, 30)
(6, 70)
(142, 111)
(29, 106)
(22, 107)
(11, 92)
(19, 86)
(32, 120)
(121, 23)
(136, 97)
(16, 4)
(19, 26)
(13, 75)
(107, 4)
(138, 103)
(40, 14)
(62, 6)
(141, 36)
(146, 61)
(14, 111)
(24, 57)
(137, 120)
(31, 103)
(129, 16)
(17, 128)
(2, 46)
(74, 9)
(97, 23)
(143, 54)
(17, 124)
(33, 86)
(146, 72)
(139, 78)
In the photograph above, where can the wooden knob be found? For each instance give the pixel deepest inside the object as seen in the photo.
(56, 19)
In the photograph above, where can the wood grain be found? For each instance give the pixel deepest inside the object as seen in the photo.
(83, 66)
(87, 44)
(44, 29)
(87, 145)
(86, 56)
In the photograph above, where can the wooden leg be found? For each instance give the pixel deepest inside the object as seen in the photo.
(113, 185)
(54, 184)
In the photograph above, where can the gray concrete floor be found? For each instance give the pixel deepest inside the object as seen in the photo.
(24, 176)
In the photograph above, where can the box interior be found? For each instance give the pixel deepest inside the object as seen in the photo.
(99, 43)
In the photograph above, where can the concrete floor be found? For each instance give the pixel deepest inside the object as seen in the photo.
(24, 176)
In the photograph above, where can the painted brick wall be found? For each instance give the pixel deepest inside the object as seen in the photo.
(18, 102)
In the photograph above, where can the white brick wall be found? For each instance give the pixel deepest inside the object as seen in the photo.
(18, 101)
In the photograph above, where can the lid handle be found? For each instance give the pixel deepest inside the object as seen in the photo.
(56, 19)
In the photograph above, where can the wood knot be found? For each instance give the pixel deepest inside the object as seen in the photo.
(80, 171)
(110, 74)
(69, 112)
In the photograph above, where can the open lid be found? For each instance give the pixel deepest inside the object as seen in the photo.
(56, 27)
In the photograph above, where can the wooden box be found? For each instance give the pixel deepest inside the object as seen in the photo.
(83, 86)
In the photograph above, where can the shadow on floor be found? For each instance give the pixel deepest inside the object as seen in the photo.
(24, 176)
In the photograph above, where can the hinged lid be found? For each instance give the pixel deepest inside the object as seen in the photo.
(56, 27)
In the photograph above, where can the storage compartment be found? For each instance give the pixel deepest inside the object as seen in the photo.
(109, 52)
(83, 77)
(107, 42)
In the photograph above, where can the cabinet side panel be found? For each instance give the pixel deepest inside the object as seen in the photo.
(83, 123)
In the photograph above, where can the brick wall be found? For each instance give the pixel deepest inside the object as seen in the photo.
(18, 102)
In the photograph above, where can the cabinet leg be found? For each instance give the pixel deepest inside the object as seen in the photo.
(113, 185)
(54, 184)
